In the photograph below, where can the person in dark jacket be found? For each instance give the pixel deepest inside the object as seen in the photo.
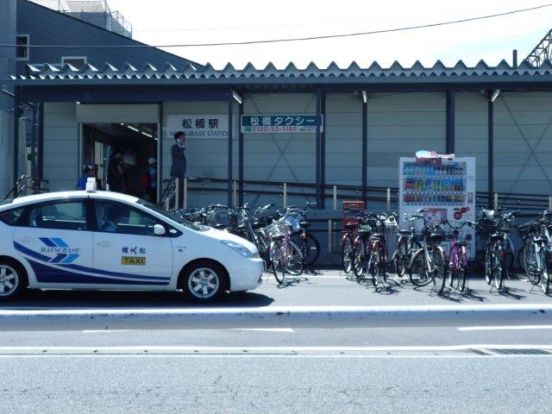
(178, 155)
(178, 166)
(117, 172)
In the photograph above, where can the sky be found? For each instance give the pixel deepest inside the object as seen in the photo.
(213, 21)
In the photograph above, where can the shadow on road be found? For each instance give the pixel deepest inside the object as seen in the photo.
(120, 300)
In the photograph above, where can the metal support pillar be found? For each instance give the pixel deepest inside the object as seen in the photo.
(16, 115)
(160, 151)
(365, 152)
(40, 144)
(490, 160)
(451, 121)
(320, 150)
(230, 149)
(241, 189)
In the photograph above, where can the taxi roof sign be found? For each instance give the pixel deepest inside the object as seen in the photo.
(91, 186)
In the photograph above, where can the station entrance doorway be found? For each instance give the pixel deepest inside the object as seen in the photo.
(124, 132)
(128, 148)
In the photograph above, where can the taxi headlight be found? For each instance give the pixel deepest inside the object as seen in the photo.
(241, 249)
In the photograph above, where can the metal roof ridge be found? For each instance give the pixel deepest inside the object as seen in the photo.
(129, 66)
(150, 68)
(110, 68)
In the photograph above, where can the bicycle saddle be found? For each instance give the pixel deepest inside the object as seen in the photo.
(349, 226)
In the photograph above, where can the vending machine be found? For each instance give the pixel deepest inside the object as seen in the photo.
(444, 186)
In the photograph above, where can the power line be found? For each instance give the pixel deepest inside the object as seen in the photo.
(296, 39)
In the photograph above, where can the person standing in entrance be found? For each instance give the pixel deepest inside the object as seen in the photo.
(178, 167)
(117, 172)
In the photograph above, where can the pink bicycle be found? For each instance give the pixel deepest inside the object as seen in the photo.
(458, 256)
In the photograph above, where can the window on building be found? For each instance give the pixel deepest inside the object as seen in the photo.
(22, 50)
(77, 61)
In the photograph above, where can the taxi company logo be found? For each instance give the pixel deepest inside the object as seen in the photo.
(64, 253)
(133, 260)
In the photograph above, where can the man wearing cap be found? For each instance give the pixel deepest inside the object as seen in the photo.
(88, 171)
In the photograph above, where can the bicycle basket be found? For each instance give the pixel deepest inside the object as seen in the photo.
(217, 216)
(294, 222)
(276, 229)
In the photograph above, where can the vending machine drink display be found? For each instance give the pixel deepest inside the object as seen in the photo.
(441, 184)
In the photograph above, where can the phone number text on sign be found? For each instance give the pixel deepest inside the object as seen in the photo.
(278, 129)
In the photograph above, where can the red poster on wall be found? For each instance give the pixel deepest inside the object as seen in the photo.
(351, 208)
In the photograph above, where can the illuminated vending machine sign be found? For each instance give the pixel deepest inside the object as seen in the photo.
(444, 186)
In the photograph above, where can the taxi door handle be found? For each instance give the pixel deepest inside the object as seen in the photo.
(103, 244)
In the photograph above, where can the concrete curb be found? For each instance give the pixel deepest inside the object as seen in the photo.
(277, 317)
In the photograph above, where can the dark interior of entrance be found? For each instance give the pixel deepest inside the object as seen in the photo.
(136, 142)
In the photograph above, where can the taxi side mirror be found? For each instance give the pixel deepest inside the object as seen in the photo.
(159, 230)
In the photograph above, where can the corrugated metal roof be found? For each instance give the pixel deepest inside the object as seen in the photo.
(68, 74)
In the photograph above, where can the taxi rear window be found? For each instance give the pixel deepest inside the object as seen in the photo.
(10, 217)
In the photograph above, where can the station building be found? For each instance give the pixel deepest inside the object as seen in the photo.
(316, 133)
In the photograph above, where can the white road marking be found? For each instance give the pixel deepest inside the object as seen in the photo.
(284, 330)
(244, 350)
(503, 328)
(95, 331)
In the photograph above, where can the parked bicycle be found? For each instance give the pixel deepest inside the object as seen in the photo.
(535, 254)
(27, 185)
(458, 256)
(308, 244)
(371, 248)
(498, 246)
(350, 231)
(285, 257)
(407, 244)
(428, 263)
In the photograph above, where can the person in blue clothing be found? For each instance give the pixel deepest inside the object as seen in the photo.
(88, 171)
(148, 180)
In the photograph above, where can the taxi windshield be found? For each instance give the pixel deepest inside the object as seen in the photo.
(172, 216)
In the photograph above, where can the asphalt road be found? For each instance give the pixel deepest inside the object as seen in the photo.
(475, 368)
(325, 288)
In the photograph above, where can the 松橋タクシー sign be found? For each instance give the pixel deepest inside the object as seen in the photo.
(208, 126)
(281, 124)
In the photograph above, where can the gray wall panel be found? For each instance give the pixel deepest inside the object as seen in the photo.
(471, 133)
(523, 125)
(61, 146)
(398, 126)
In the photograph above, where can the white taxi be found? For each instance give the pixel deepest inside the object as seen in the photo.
(106, 240)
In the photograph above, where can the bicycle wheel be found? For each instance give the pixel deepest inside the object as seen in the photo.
(545, 277)
(520, 258)
(402, 258)
(347, 253)
(438, 263)
(310, 249)
(531, 260)
(277, 261)
(359, 257)
(488, 266)
(461, 267)
(497, 269)
(373, 264)
(418, 270)
(293, 258)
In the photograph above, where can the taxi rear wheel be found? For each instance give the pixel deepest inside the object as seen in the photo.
(204, 281)
(12, 279)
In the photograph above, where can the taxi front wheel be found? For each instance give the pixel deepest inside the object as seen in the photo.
(204, 281)
(12, 279)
